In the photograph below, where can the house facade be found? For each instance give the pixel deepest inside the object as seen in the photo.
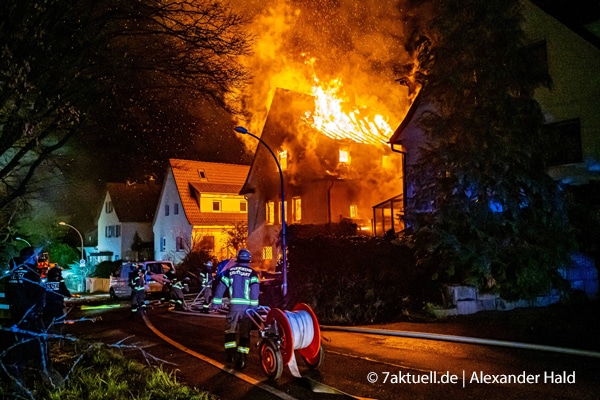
(570, 106)
(325, 180)
(125, 221)
(198, 203)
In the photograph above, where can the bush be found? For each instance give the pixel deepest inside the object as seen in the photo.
(353, 279)
(104, 269)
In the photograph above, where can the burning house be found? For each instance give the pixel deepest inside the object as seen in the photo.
(335, 169)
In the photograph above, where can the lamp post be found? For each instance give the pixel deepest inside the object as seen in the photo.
(82, 260)
(23, 240)
(244, 131)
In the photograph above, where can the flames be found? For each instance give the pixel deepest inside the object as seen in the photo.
(357, 43)
(334, 117)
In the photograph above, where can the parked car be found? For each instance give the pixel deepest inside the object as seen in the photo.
(155, 278)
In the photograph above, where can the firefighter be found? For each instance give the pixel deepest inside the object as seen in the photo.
(243, 285)
(56, 291)
(25, 292)
(138, 295)
(178, 288)
(26, 296)
(207, 283)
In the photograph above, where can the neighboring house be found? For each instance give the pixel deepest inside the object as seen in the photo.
(198, 202)
(326, 180)
(128, 209)
(570, 107)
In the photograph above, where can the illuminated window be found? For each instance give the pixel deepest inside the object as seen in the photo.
(243, 206)
(270, 217)
(285, 207)
(353, 211)
(267, 253)
(296, 210)
(216, 205)
(344, 156)
(283, 159)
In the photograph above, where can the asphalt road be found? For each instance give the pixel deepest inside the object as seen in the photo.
(356, 365)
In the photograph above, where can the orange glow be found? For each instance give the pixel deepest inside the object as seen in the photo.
(335, 118)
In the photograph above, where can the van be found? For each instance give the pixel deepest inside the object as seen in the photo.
(155, 278)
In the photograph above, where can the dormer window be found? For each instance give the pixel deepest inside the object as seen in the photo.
(202, 174)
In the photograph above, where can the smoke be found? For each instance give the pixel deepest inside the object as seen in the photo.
(298, 41)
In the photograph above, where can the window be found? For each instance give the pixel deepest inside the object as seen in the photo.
(353, 211)
(344, 156)
(283, 158)
(536, 56)
(216, 205)
(202, 174)
(207, 244)
(285, 209)
(176, 208)
(109, 207)
(564, 142)
(267, 253)
(112, 231)
(166, 210)
(270, 217)
(243, 206)
(163, 244)
(296, 210)
(179, 244)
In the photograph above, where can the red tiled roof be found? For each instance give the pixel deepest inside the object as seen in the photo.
(207, 177)
(221, 218)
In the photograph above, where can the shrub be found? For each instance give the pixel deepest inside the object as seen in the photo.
(353, 279)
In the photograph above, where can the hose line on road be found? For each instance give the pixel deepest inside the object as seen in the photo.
(242, 376)
(464, 339)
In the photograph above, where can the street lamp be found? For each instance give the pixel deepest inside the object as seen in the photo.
(244, 131)
(23, 240)
(82, 260)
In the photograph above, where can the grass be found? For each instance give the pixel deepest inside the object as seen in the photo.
(99, 373)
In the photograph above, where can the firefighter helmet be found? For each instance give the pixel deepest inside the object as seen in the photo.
(243, 256)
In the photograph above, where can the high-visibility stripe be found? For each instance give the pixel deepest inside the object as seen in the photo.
(4, 307)
(230, 345)
(217, 301)
(241, 301)
(244, 350)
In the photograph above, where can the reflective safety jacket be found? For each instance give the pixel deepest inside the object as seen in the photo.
(25, 293)
(243, 285)
(207, 278)
(137, 283)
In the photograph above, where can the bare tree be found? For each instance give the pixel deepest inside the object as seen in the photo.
(68, 66)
